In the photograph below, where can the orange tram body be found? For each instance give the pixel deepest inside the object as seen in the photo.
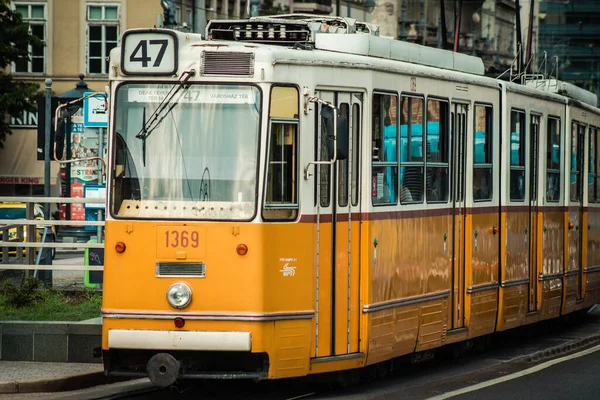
(297, 195)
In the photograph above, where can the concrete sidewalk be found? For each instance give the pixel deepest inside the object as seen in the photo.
(30, 377)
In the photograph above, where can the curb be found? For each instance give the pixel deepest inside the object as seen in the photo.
(63, 384)
(560, 349)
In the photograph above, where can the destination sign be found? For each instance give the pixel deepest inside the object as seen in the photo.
(210, 95)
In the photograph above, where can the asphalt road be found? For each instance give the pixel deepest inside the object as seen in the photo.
(571, 377)
(516, 362)
(508, 354)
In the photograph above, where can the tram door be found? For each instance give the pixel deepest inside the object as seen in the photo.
(458, 124)
(534, 160)
(576, 180)
(338, 234)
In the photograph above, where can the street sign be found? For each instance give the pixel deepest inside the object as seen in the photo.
(94, 113)
(94, 192)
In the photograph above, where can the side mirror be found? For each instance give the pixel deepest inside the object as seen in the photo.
(342, 134)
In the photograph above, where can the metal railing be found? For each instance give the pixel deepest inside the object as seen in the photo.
(29, 241)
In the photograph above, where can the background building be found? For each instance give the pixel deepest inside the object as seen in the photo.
(80, 33)
(487, 27)
(570, 30)
(79, 36)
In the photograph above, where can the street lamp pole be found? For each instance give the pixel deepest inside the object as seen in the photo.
(48, 137)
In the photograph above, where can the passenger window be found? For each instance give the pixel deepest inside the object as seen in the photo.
(343, 164)
(597, 161)
(593, 172)
(355, 152)
(281, 192)
(437, 151)
(324, 170)
(384, 167)
(482, 154)
(577, 131)
(411, 149)
(517, 155)
(553, 151)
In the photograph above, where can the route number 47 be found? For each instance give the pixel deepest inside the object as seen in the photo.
(140, 53)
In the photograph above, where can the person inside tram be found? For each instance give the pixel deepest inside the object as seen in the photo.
(480, 184)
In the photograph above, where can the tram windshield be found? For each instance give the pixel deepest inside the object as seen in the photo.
(189, 156)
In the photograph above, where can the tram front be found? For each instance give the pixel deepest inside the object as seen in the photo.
(193, 283)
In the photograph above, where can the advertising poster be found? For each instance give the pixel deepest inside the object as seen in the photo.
(84, 144)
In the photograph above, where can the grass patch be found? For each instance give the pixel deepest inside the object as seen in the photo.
(49, 305)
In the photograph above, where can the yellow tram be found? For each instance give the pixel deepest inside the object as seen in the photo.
(297, 195)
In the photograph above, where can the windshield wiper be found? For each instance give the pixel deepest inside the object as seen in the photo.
(148, 126)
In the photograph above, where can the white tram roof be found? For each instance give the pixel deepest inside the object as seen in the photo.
(338, 34)
(564, 89)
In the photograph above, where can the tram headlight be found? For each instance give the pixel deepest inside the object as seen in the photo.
(179, 295)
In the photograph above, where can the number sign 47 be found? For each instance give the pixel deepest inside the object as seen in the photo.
(149, 53)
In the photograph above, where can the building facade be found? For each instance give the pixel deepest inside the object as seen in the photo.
(487, 27)
(569, 34)
(78, 36)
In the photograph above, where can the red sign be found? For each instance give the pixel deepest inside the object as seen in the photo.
(20, 180)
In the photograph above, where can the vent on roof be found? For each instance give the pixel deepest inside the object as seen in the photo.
(265, 31)
(227, 63)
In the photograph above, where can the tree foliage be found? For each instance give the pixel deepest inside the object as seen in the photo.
(15, 96)
(268, 7)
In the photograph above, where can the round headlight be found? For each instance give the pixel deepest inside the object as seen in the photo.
(179, 295)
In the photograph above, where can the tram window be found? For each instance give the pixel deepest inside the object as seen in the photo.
(411, 149)
(355, 152)
(343, 165)
(517, 155)
(384, 167)
(534, 130)
(576, 154)
(553, 150)
(437, 151)
(597, 161)
(281, 191)
(482, 154)
(324, 170)
(592, 171)
(281, 200)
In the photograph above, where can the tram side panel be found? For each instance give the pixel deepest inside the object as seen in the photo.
(406, 250)
(525, 298)
(579, 120)
(590, 256)
(483, 217)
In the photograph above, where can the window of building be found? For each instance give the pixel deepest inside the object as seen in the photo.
(577, 132)
(482, 154)
(189, 19)
(103, 36)
(384, 167)
(517, 155)
(178, 20)
(592, 171)
(437, 151)
(35, 15)
(553, 146)
(281, 191)
(411, 149)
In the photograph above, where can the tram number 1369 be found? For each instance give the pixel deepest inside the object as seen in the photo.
(175, 238)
